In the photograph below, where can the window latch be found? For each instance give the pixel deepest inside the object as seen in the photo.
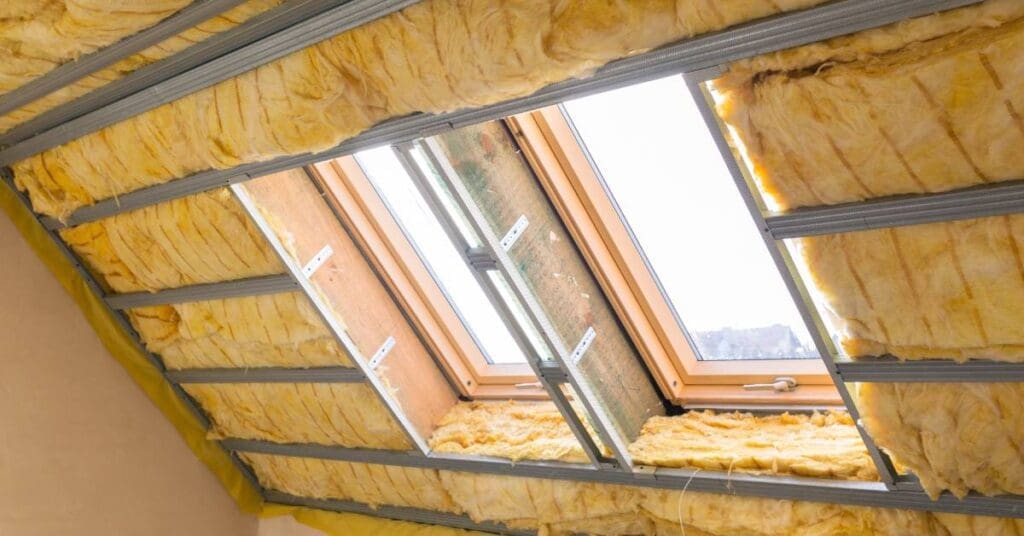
(779, 385)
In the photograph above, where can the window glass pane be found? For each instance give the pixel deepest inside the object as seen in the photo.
(423, 229)
(662, 167)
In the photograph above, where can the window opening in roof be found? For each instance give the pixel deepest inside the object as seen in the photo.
(662, 168)
(445, 263)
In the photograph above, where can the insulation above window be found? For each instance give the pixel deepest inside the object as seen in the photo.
(433, 56)
(38, 35)
(220, 23)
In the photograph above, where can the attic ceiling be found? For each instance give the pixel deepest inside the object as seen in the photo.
(156, 163)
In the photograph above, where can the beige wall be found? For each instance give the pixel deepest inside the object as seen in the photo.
(82, 450)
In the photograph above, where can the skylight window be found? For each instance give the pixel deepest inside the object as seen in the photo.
(661, 166)
(423, 228)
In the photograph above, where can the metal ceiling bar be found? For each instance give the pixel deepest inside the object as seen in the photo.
(335, 326)
(258, 27)
(295, 37)
(267, 375)
(850, 492)
(7, 178)
(787, 270)
(890, 369)
(536, 363)
(256, 286)
(599, 419)
(401, 513)
(72, 71)
(767, 35)
(979, 202)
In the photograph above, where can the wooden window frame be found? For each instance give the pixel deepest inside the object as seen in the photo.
(582, 201)
(389, 251)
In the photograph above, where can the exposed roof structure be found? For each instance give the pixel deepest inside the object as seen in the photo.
(194, 186)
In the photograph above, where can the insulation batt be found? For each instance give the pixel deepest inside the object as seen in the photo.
(277, 330)
(922, 106)
(347, 414)
(204, 238)
(565, 507)
(433, 56)
(805, 445)
(956, 437)
(159, 51)
(943, 290)
(38, 35)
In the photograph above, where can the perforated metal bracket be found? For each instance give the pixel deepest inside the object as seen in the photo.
(583, 345)
(514, 233)
(317, 261)
(381, 352)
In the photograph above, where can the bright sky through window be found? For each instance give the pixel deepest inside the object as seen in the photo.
(424, 230)
(663, 169)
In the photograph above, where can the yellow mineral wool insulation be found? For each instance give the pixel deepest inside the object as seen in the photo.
(927, 105)
(38, 35)
(204, 238)
(276, 330)
(347, 414)
(434, 56)
(220, 23)
(805, 445)
(567, 507)
(958, 437)
(375, 485)
(516, 430)
(819, 445)
(943, 290)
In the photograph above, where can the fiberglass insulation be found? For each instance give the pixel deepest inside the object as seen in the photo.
(565, 507)
(347, 414)
(922, 106)
(960, 437)
(39, 35)
(819, 445)
(275, 330)
(204, 30)
(433, 56)
(205, 238)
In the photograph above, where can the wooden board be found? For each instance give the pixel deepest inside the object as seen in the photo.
(488, 162)
(293, 205)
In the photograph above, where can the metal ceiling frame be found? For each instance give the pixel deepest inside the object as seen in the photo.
(717, 48)
(254, 286)
(784, 31)
(810, 489)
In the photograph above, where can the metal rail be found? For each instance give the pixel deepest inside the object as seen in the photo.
(767, 35)
(787, 270)
(256, 286)
(70, 72)
(401, 513)
(494, 295)
(881, 370)
(989, 200)
(860, 493)
(333, 324)
(258, 27)
(266, 375)
(295, 37)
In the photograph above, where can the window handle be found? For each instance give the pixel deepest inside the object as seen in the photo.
(780, 385)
